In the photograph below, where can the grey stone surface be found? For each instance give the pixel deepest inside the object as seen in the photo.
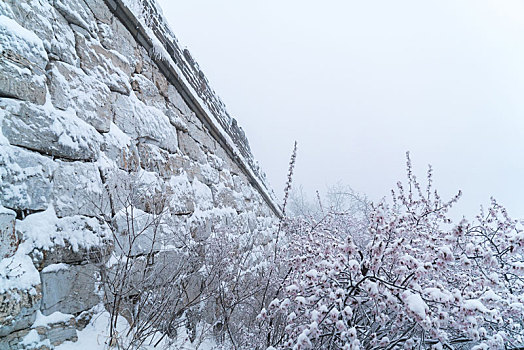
(227, 197)
(165, 266)
(70, 87)
(143, 190)
(49, 25)
(215, 161)
(145, 65)
(57, 133)
(19, 81)
(181, 195)
(73, 240)
(22, 63)
(176, 119)
(155, 159)
(204, 173)
(75, 13)
(203, 195)
(145, 123)
(78, 190)
(161, 83)
(121, 149)
(226, 178)
(25, 179)
(200, 229)
(99, 10)
(174, 97)
(56, 333)
(191, 148)
(12, 340)
(147, 92)
(9, 239)
(18, 309)
(44, 337)
(23, 44)
(70, 290)
(140, 233)
(103, 64)
(117, 39)
(43, 257)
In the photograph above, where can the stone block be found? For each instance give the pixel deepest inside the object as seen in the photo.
(22, 63)
(119, 148)
(176, 119)
(147, 92)
(204, 173)
(18, 309)
(115, 37)
(141, 122)
(76, 12)
(23, 42)
(78, 190)
(203, 137)
(51, 331)
(226, 197)
(49, 25)
(161, 83)
(226, 178)
(191, 148)
(138, 232)
(200, 229)
(58, 334)
(249, 220)
(155, 159)
(72, 239)
(209, 174)
(105, 65)
(53, 132)
(215, 161)
(69, 289)
(203, 195)
(176, 99)
(12, 341)
(193, 288)
(229, 163)
(25, 179)
(64, 253)
(20, 82)
(70, 87)
(243, 223)
(9, 239)
(161, 268)
(181, 199)
(99, 10)
(145, 65)
(143, 190)
(240, 181)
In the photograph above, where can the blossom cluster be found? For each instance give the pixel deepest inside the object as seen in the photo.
(418, 280)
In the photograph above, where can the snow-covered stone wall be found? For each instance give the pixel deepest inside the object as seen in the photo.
(93, 92)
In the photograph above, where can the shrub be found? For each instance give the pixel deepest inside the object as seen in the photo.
(419, 281)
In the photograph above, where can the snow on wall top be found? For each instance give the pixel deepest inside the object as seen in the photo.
(145, 21)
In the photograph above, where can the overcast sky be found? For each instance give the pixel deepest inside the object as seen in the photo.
(359, 83)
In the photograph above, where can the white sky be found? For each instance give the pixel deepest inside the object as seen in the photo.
(358, 83)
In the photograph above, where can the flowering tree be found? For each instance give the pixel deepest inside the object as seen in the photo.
(418, 282)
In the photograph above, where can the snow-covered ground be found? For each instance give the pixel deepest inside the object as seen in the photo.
(96, 335)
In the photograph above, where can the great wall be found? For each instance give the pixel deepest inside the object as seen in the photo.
(94, 94)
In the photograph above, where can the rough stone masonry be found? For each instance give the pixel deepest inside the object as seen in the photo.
(90, 94)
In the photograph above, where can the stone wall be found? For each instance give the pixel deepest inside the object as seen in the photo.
(90, 96)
